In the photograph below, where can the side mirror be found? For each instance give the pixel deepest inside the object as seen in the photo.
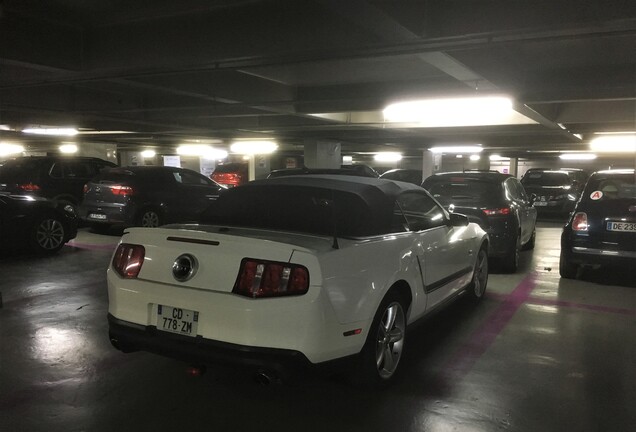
(458, 220)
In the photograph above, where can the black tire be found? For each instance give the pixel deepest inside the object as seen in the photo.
(48, 235)
(149, 218)
(510, 262)
(530, 244)
(477, 287)
(386, 337)
(567, 270)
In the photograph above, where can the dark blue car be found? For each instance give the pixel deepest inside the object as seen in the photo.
(602, 228)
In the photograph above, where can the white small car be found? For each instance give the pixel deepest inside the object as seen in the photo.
(295, 271)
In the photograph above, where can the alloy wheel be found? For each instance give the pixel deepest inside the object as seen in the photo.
(390, 340)
(150, 219)
(49, 234)
(480, 277)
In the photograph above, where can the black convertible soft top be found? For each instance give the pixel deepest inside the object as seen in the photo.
(343, 206)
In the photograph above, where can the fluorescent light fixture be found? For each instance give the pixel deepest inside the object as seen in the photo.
(614, 144)
(347, 160)
(253, 147)
(204, 151)
(51, 131)
(148, 153)
(68, 148)
(475, 157)
(496, 157)
(388, 157)
(577, 156)
(452, 112)
(457, 149)
(7, 149)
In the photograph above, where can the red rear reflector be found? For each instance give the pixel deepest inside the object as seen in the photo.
(29, 187)
(579, 222)
(259, 278)
(352, 332)
(497, 211)
(121, 190)
(128, 259)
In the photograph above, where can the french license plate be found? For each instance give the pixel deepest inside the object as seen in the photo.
(621, 226)
(97, 216)
(177, 320)
(540, 203)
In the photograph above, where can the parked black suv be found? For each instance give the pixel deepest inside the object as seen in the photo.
(495, 201)
(146, 196)
(60, 178)
(557, 191)
(602, 228)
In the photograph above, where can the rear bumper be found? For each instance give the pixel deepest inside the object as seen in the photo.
(582, 252)
(130, 337)
(590, 256)
(112, 214)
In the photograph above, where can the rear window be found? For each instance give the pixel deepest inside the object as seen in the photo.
(19, 170)
(463, 190)
(609, 187)
(546, 178)
(299, 209)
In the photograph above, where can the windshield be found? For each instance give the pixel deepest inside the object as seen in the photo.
(299, 209)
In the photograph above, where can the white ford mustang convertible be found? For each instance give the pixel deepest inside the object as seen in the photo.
(294, 272)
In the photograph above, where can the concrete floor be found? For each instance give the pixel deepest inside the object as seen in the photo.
(538, 354)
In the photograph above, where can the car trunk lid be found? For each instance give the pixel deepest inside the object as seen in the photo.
(609, 223)
(218, 252)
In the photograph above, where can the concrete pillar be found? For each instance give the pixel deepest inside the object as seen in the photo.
(514, 167)
(262, 166)
(322, 154)
(483, 163)
(428, 164)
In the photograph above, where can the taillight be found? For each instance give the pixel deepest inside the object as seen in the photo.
(128, 260)
(579, 222)
(259, 278)
(503, 211)
(29, 187)
(122, 190)
(233, 179)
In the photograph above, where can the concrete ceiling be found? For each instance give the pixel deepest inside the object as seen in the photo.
(171, 71)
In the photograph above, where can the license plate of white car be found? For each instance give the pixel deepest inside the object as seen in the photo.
(177, 320)
(97, 216)
(621, 226)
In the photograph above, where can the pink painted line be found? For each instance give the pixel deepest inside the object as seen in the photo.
(573, 305)
(90, 246)
(485, 335)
